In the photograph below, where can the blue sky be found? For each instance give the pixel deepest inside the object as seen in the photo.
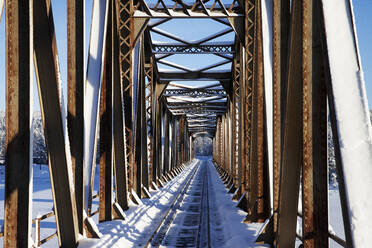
(362, 11)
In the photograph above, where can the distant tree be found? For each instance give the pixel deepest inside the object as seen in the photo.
(39, 147)
(203, 146)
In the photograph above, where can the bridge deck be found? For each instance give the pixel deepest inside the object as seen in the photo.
(204, 195)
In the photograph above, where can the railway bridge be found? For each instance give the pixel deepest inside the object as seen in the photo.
(268, 83)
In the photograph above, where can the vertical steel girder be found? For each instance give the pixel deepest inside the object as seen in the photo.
(249, 68)
(174, 142)
(157, 140)
(47, 70)
(18, 181)
(141, 148)
(149, 72)
(235, 123)
(75, 98)
(166, 142)
(281, 15)
(305, 133)
(144, 134)
(125, 10)
(241, 114)
(137, 121)
(258, 197)
(255, 162)
(292, 143)
(315, 143)
(120, 162)
(106, 128)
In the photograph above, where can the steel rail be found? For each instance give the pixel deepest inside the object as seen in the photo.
(171, 213)
(204, 217)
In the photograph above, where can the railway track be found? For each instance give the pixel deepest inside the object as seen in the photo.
(187, 222)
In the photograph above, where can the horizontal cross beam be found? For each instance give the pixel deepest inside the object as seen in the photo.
(195, 104)
(178, 13)
(195, 93)
(193, 48)
(174, 75)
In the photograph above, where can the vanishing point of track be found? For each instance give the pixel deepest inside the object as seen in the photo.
(191, 206)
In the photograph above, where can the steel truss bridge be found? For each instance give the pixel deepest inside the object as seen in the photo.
(264, 103)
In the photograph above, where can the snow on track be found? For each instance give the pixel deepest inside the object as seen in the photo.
(206, 216)
(141, 220)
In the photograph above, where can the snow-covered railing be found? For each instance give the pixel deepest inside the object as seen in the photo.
(90, 214)
(37, 221)
(331, 235)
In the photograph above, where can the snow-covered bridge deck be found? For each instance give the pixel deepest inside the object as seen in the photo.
(141, 221)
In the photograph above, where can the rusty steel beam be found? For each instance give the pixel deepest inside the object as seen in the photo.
(106, 128)
(249, 45)
(18, 171)
(149, 72)
(136, 116)
(293, 132)
(174, 138)
(197, 9)
(241, 115)
(143, 124)
(258, 197)
(315, 139)
(47, 69)
(75, 98)
(166, 142)
(235, 122)
(157, 139)
(281, 16)
(124, 13)
(120, 162)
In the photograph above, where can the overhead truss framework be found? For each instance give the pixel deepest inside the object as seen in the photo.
(183, 9)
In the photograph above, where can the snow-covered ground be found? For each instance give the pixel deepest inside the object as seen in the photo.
(141, 220)
(42, 202)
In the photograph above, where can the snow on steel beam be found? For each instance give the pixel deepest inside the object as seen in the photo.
(195, 93)
(180, 86)
(195, 111)
(197, 120)
(352, 126)
(92, 92)
(180, 14)
(174, 75)
(202, 125)
(196, 104)
(2, 2)
(188, 105)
